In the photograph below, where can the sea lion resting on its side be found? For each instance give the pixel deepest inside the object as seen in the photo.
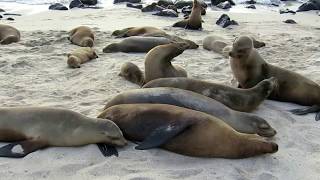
(249, 68)
(34, 128)
(82, 36)
(80, 56)
(8, 34)
(184, 131)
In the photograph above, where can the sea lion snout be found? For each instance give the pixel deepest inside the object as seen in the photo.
(274, 147)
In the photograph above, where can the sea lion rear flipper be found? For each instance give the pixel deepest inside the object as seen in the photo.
(21, 149)
(307, 110)
(162, 134)
(107, 150)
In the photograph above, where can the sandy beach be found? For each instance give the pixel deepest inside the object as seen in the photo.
(34, 72)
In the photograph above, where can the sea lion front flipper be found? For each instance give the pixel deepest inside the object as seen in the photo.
(162, 134)
(21, 149)
(108, 150)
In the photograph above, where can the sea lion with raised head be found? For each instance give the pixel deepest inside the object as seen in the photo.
(245, 100)
(184, 131)
(138, 31)
(132, 73)
(82, 36)
(249, 68)
(241, 122)
(194, 21)
(34, 128)
(80, 56)
(8, 34)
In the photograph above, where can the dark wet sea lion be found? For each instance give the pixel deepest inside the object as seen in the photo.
(249, 68)
(35, 128)
(242, 122)
(184, 131)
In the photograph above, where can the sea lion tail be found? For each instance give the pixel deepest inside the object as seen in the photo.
(307, 110)
(21, 149)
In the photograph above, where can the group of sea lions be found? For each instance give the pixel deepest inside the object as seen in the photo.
(171, 111)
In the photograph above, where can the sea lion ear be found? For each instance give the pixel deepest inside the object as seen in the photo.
(69, 54)
(163, 134)
(21, 149)
(107, 150)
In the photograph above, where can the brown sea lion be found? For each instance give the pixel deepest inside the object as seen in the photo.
(132, 73)
(136, 44)
(194, 21)
(241, 122)
(33, 128)
(249, 68)
(184, 131)
(8, 34)
(138, 31)
(82, 36)
(80, 56)
(245, 100)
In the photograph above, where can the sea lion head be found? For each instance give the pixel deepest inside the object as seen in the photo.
(114, 47)
(192, 45)
(107, 132)
(73, 61)
(87, 42)
(269, 85)
(241, 47)
(132, 73)
(181, 45)
(262, 127)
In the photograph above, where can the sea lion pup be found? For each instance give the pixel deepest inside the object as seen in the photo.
(244, 100)
(136, 44)
(184, 131)
(220, 45)
(158, 62)
(8, 34)
(241, 122)
(80, 56)
(33, 128)
(194, 21)
(249, 68)
(82, 36)
(132, 73)
(137, 31)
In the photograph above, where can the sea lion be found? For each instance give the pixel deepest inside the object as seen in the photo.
(194, 21)
(241, 122)
(82, 36)
(138, 31)
(8, 34)
(184, 131)
(220, 45)
(244, 100)
(33, 128)
(249, 68)
(132, 73)
(158, 62)
(136, 44)
(80, 56)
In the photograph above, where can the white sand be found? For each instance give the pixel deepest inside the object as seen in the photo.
(34, 72)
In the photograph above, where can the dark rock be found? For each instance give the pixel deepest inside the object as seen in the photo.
(139, 6)
(165, 3)
(167, 12)
(173, 7)
(10, 19)
(216, 2)
(152, 7)
(282, 11)
(251, 6)
(76, 4)
(310, 5)
(129, 1)
(1, 16)
(250, 2)
(1, 10)
(57, 6)
(183, 3)
(89, 2)
(225, 21)
(11, 14)
(224, 5)
(290, 21)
